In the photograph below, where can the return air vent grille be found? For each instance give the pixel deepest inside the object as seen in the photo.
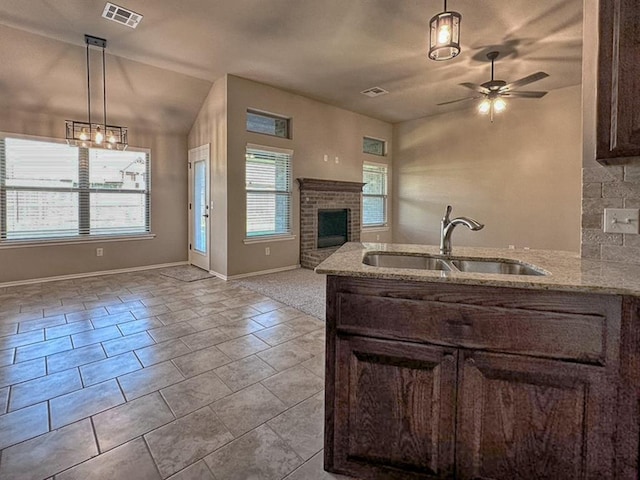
(374, 92)
(121, 15)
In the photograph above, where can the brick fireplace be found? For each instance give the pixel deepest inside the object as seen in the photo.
(326, 195)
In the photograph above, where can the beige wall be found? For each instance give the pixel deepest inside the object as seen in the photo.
(318, 129)
(210, 128)
(520, 176)
(168, 200)
(603, 187)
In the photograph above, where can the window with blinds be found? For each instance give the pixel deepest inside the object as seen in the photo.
(268, 190)
(374, 195)
(51, 190)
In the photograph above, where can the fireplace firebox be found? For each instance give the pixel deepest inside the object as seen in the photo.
(333, 227)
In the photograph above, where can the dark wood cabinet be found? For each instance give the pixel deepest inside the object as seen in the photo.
(532, 418)
(618, 128)
(402, 393)
(428, 380)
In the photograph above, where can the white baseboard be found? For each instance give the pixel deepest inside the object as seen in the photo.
(254, 274)
(90, 274)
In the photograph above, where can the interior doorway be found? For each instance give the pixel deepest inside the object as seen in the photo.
(199, 220)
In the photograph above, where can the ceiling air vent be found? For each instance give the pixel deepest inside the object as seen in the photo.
(374, 92)
(121, 15)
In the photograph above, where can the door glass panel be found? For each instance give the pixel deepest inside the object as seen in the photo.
(200, 207)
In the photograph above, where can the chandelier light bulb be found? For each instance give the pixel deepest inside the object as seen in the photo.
(484, 106)
(99, 136)
(110, 137)
(83, 135)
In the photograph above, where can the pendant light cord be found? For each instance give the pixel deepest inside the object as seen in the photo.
(88, 90)
(104, 91)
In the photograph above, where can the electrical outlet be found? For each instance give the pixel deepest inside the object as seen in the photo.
(99, 252)
(267, 251)
(621, 220)
(377, 237)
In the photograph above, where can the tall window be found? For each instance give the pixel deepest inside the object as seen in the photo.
(51, 190)
(374, 195)
(268, 189)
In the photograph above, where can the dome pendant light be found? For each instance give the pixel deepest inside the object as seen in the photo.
(91, 134)
(444, 35)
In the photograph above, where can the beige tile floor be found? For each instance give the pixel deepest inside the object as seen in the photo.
(140, 376)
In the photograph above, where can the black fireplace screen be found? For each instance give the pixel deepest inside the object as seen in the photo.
(333, 227)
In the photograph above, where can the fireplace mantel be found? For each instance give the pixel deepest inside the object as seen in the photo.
(320, 185)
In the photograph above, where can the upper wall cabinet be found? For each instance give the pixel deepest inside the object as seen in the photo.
(618, 136)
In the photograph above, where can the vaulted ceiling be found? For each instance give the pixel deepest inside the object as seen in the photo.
(329, 50)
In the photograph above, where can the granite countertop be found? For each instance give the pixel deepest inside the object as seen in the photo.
(567, 271)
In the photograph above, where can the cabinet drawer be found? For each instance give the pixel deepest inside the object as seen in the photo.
(578, 337)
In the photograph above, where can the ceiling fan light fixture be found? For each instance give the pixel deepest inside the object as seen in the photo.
(484, 106)
(499, 105)
(444, 35)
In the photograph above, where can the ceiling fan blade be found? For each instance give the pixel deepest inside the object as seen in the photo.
(477, 88)
(460, 100)
(534, 77)
(522, 94)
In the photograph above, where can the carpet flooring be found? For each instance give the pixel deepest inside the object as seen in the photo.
(301, 288)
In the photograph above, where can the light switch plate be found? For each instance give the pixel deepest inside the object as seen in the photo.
(621, 220)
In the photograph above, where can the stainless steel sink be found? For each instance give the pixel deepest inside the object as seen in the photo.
(421, 262)
(451, 264)
(505, 267)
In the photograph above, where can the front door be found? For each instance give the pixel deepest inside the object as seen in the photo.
(199, 207)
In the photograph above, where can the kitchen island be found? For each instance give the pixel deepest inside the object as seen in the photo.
(445, 374)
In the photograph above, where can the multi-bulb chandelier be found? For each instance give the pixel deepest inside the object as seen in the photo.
(96, 134)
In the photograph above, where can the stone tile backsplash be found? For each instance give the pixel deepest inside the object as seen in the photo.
(609, 187)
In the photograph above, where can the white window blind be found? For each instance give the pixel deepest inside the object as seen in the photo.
(268, 189)
(118, 198)
(51, 190)
(374, 195)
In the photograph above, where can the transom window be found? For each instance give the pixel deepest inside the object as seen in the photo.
(51, 190)
(374, 146)
(268, 124)
(268, 191)
(374, 195)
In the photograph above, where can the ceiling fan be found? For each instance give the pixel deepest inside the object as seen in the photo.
(493, 91)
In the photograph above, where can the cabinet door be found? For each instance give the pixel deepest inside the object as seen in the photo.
(618, 72)
(393, 407)
(526, 418)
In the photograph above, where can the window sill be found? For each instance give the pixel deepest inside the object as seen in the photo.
(266, 239)
(375, 228)
(73, 241)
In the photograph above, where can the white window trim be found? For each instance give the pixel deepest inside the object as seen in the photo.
(268, 239)
(56, 241)
(385, 226)
(7, 244)
(376, 228)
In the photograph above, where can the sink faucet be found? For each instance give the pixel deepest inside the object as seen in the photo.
(447, 226)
